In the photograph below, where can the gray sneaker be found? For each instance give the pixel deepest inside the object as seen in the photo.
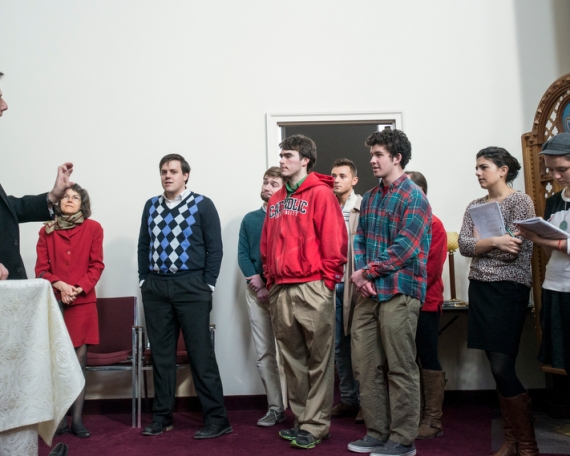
(366, 444)
(391, 448)
(271, 418)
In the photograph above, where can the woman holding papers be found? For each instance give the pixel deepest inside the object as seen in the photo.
(555, 310)
(499, 288)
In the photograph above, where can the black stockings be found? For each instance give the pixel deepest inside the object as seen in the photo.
(77, 407)
(503, 370)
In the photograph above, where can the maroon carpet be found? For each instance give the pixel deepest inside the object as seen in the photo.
(467, 431)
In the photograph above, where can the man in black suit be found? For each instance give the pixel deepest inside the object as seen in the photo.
(26, 209)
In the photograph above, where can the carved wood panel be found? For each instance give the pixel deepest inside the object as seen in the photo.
(552, 117)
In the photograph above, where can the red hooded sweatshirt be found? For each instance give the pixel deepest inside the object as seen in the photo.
(304, 236)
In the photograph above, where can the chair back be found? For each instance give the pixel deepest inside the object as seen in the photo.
(116, 319)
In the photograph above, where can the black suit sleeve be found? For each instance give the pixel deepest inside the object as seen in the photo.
(31, 208)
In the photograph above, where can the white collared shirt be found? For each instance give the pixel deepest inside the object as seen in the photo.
(171, 204)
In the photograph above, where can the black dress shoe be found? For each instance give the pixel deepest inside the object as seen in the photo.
(212, 431)
(80, 431)
(156, 428)
(62, 430)
(61, 449)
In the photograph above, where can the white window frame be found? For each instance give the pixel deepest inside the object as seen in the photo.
(274, 123)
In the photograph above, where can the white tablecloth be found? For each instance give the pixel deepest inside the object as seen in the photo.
(39, 373)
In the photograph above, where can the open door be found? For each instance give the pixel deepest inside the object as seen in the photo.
(552, 117)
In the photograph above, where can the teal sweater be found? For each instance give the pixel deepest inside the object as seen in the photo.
(249, 257)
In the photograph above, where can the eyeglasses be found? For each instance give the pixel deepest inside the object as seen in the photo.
(69, 197)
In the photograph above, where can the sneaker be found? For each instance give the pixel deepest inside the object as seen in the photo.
(366, 444)
(306, 440)
(342, 409)
(271, 418)
(289, 434)
(391, 448)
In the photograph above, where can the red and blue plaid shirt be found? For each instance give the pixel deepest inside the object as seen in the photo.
(393, 239)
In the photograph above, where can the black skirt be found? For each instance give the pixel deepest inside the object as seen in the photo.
(555, 323)
(496, 315)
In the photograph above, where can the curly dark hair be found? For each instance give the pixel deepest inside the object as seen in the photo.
(85, 201)
(395, 141)
(501, 157)
(305, 146)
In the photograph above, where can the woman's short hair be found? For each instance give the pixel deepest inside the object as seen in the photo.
(85, 201)
(500, 157)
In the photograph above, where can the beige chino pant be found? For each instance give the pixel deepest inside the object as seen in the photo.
(264, 341)
(304, 321)
(384, 333)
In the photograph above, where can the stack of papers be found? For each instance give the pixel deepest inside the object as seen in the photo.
(541, 227)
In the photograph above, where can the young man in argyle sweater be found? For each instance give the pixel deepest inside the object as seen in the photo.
(179, 256)
(391, 249)
(257, 298)
(303, 249)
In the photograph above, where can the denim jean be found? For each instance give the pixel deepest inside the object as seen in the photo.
(347, 384)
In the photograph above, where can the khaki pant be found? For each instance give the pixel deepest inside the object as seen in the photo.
(264, 341)
(384, 333)
(304, 319)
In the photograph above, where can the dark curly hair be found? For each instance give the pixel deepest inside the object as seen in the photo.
(85, 201)
(500, 157)
(395, 141)
(305, 146)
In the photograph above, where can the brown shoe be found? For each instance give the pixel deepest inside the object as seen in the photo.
(509, 446)
(523, 424)
(433, 386)
(342, 409)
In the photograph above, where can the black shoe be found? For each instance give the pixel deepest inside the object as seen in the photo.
(62, 429)
(61, 449)
(156, 428)
(80, 431)
(212, 431)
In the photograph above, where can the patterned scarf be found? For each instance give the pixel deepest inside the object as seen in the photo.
(64, 222)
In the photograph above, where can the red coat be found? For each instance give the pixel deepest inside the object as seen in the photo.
(75, 257)
(436, 259)
(304, 237)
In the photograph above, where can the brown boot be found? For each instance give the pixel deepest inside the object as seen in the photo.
(509, 447)
(433, 385)
(523, 424)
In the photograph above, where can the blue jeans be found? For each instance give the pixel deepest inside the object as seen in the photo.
(348, 385)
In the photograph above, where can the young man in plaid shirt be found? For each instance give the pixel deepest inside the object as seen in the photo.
(391, 248)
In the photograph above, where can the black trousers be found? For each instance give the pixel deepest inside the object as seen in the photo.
(171, 304)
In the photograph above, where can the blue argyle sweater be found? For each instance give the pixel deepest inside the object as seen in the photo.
(183, 240)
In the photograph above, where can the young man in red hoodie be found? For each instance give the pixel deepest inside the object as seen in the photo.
(303, 249)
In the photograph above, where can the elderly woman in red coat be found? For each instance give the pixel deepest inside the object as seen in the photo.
(70, 256)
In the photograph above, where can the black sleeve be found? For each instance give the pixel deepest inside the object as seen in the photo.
(212, 233)
(31, 208)
(144, 244)
(550, 206)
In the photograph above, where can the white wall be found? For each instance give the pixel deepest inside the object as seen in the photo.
(113, 86)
